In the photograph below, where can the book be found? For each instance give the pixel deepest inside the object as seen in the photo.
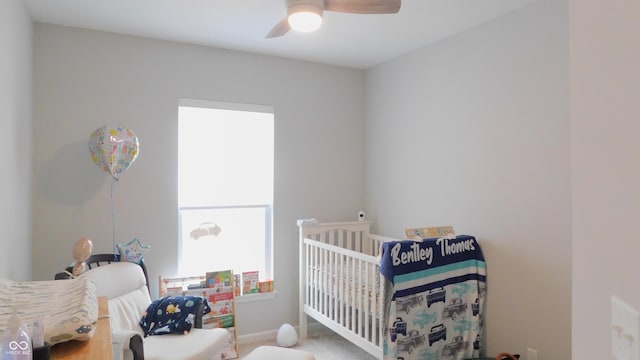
(221, 308)
(172, 286)
(219, 321)
(219, 278)
(219, 298)
(266, 286)
(219, 291)
(429, 232)
(237, 288)
(250, 282)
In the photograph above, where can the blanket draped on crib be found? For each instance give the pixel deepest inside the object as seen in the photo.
(434, 298)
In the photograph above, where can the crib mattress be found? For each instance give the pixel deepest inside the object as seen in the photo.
(349, 286)
(67, 308)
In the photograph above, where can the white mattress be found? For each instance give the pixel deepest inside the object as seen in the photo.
(346, 283)
(68, 308)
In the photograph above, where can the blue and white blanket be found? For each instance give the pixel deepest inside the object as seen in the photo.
(435, 298)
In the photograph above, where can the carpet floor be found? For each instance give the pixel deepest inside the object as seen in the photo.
(322, 343)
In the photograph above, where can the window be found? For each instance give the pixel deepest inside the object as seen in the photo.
(225, 187)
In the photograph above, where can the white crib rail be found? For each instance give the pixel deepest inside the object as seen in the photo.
(376, 243)
(340, 284)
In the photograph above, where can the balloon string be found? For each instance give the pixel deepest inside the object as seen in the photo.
(113, 218)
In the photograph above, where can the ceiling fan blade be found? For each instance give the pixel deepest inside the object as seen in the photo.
(363, 6)
(280, 29)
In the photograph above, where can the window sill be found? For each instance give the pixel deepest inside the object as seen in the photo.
(255, 297)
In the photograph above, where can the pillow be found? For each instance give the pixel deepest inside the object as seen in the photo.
(172, 315)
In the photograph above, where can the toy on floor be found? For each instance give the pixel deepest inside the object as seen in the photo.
(287, 336)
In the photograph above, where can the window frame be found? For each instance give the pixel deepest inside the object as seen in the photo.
(268, 208)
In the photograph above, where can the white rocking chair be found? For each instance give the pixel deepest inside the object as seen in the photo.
(124, 284)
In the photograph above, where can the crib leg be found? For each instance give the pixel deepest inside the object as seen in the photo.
(303, 326)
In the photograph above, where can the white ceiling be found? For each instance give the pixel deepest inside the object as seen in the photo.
(357, 41)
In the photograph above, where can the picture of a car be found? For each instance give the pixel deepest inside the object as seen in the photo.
(406, 303)
(437, 332)
(454, 308)
(452, 348)
(475, 307)
(436, 295)
(399, 327)
(411, 342)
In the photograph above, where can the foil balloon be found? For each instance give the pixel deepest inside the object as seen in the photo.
(81, 252)
(113, 148)
(133, 251)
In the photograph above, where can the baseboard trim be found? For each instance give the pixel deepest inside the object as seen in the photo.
(257, 337)
(271, 335)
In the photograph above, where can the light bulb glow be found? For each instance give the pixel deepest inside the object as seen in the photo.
(305, 21)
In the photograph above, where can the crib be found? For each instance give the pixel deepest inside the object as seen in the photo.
(340, 281)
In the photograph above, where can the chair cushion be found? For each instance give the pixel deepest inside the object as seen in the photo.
(197, 344)
(128, 295)
(129, 276)
(125, 285)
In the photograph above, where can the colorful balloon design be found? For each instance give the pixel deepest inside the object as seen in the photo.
(113, 148)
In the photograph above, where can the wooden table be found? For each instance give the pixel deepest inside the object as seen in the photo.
(99, 347)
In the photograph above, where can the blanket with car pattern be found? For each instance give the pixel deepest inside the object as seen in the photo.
(434, 298)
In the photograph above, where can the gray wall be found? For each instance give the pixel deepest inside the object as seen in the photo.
(16, 104)
(86, 79)
(473, 132)
(605, 123)
(494, 101)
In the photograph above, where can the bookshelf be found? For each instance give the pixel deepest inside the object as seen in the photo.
(219, 288)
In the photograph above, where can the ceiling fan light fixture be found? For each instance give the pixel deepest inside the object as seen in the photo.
(305, 17)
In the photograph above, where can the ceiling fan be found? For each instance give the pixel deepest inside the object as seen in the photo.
(306, 15)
